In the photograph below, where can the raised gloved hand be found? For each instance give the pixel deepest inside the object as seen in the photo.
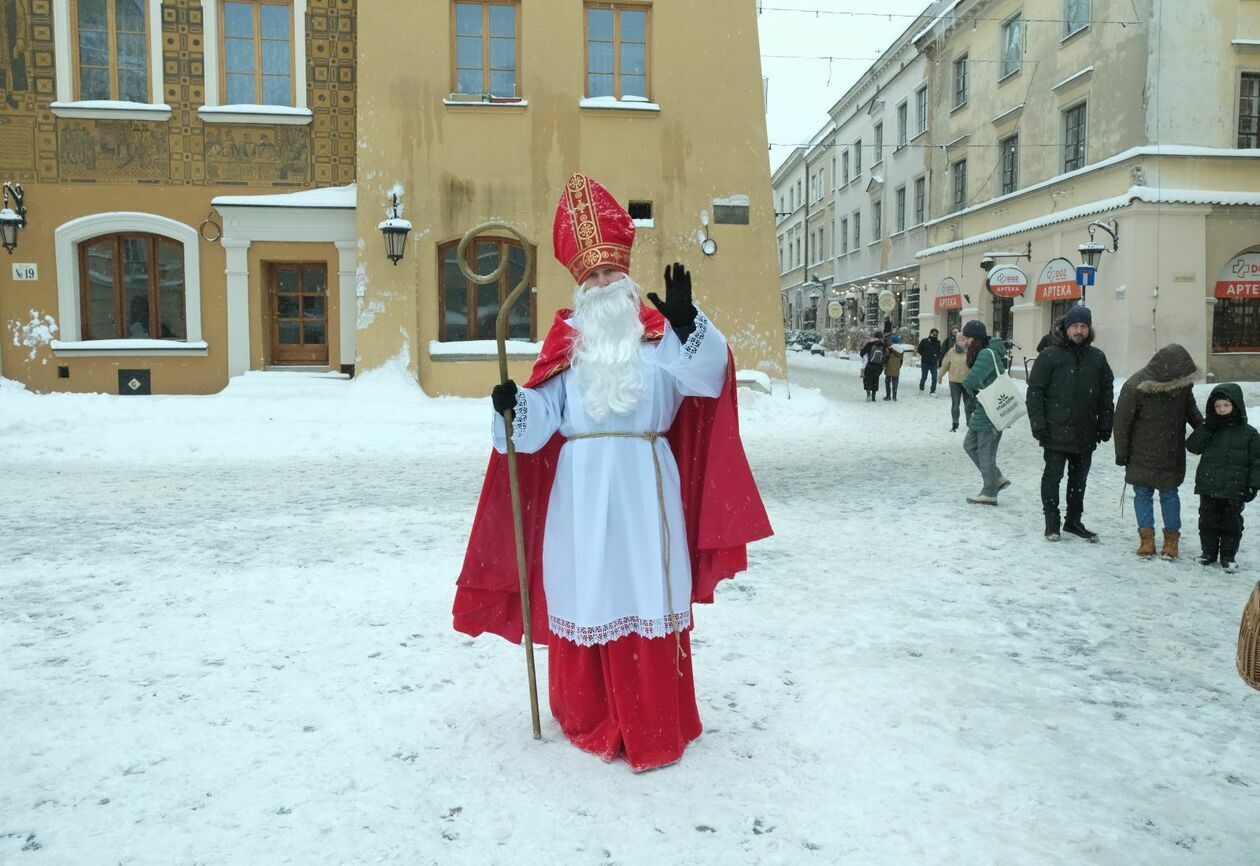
(1122, 461)
(503, 396)
(677, 307)
(1104, 435)
(1251, 494)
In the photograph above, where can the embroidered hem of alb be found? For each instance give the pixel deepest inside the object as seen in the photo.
(590, 635)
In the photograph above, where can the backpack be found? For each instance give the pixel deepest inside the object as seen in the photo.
(877, 354)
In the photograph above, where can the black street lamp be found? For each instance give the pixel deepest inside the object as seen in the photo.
(395, 229)
(1091, 253)
(12, 219)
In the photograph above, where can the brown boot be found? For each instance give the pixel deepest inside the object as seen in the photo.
(1171, 538)
(1147, 548)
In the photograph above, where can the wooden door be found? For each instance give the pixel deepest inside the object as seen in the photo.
(299, 312)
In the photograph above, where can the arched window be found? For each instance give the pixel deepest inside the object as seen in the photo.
(1236, 316)
(131, 286)
(466, 311)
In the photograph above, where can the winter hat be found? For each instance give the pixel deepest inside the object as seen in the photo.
(1077, 313)
(974, 328)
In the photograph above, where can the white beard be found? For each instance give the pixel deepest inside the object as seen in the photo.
(606, 350)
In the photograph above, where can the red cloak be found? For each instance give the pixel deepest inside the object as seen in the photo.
(721, 505)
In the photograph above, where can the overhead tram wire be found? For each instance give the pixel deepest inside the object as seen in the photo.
(1137, 22)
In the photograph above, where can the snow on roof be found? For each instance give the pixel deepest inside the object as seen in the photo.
(323, 197)
(947, 10)
(1148, 194)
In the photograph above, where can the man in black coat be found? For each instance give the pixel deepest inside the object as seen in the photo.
(1070, 409)
(929, 352)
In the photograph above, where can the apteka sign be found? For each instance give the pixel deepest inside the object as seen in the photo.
(1240, 277)
(1007, 281)
(1058, 282)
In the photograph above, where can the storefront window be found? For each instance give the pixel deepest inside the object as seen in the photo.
(1236, 325)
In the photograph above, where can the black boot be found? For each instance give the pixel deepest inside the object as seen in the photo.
(1210, 543)
(1229, 551)
(1074, 526)
(1052, 527)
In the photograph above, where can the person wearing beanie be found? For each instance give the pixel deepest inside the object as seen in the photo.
(1152, 412)
(929, 352)
(986, 360)
(1070, 410)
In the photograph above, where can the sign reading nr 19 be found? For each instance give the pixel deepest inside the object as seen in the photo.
(25, 271)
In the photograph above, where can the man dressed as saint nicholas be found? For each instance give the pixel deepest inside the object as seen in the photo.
(636, 495)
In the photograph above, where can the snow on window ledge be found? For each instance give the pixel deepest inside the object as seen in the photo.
(645, 224)
(611, 102)
(128, 347)
(110, 109)
(485, 103)
(279, 114)
(482, 350)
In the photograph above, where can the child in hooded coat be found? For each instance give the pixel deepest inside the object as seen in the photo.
(1228, 474)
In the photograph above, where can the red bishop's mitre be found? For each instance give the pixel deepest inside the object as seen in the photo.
(591, 230)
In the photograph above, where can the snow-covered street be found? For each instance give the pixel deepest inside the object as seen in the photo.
(225, 626)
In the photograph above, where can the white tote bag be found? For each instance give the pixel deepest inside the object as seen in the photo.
(1001, 400)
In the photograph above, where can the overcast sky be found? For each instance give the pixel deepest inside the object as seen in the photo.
(801, 91)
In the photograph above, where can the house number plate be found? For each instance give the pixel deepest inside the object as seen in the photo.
(25, 271)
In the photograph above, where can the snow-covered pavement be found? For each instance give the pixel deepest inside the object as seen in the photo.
(225, 632)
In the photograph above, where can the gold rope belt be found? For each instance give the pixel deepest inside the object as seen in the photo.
(671, 619)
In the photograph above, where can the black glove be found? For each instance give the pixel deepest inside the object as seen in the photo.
(678, 307)
(503, 396)
(1042, 437)
(1251, 494)
(1122, 461)
(1104, 435)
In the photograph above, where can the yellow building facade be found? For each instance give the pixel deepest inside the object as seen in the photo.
(123, 121)
(189, 171)
(474, 112)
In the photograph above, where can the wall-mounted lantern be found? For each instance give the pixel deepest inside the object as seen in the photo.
(1091, 253)
(12, 219)
(395, 229)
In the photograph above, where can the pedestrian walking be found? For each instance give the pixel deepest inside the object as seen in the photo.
(954, 369)
(1152, 411)
(873, 357)
(892, 367)
(1228, 474)
(1070, 408)
(627, 433)
(986, 360)
(929, 352)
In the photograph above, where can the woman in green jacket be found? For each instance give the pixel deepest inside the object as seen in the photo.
(986, 360)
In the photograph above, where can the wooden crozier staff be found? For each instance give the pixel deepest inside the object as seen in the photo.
(500, 333)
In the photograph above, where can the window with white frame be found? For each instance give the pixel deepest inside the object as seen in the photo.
(959, 173)
(1249, 110)
(879, 143)
(1074, 138)
(844, 237)
(128, 276)
(1076, 14)
(1012, 47)
(922, 102)
(900, 198)
(255, 56)
(903, 121)
(920, 200)
(857, 158)
(961, 76)
(107, 58)
(780, 253)
(877, 220)
(844, 168)
(857, 230)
